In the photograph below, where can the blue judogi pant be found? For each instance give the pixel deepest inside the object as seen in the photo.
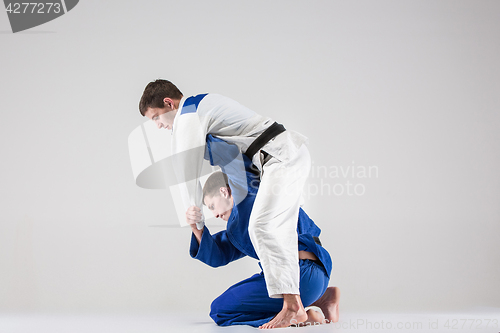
(248, 302)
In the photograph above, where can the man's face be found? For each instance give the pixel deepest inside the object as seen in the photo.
(162, 117)
(220, 205)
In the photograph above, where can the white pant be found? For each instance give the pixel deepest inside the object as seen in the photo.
(273, 222)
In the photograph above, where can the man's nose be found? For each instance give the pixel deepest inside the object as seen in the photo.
(159, 124)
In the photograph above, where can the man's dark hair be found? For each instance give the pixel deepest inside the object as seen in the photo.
(213, 184)
(155, 92)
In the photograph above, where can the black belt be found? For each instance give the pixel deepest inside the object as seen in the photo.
(317, 241)
(270, 133)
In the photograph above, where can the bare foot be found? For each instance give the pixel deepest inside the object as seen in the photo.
(329, 304)
(313, 318)
(286, 318)
(293, 313)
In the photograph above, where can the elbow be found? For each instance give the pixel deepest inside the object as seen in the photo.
(217, 264)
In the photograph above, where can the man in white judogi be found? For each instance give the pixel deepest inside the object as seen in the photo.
(283, 161)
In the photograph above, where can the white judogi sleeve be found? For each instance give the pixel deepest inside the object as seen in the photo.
(188, 146)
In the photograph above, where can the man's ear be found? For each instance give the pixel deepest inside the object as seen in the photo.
(224, 192)
(168, 102)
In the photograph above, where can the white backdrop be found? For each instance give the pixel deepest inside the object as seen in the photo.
(407, 89)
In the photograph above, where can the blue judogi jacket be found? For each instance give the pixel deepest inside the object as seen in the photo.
(234, 242)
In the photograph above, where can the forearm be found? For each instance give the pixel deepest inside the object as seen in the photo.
(197, 233)
(214, 250)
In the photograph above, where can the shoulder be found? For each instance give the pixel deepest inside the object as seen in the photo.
(213, 99)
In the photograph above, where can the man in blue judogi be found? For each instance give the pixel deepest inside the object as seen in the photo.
(231, 198)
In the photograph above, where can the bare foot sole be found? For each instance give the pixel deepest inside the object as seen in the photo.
(329, 304)
(286, 318)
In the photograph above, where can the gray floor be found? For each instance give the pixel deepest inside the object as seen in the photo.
(484, 321)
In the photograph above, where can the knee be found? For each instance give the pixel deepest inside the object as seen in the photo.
(221, 312)
(257, 230)
(215, 312)
(216, 306)
(259, 223)
(252, 227)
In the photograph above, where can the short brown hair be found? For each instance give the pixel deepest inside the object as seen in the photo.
(213, 184)
(155, 92)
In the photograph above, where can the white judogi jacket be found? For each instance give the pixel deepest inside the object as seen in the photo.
(228, 120)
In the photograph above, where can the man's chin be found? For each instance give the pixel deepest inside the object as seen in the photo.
(226, 215)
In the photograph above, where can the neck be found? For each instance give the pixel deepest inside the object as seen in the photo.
(177, 102)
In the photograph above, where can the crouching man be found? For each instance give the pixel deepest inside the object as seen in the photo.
(248, 302)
